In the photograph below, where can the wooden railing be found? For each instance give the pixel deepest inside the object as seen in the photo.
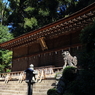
(17, 73)
(42, 73)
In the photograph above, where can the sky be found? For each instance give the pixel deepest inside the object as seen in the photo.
(6, 1)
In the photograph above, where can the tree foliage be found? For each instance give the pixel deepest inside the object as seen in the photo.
(4, 34)
(88, 37)
(5, 55)
(4, 12)
(27, 15)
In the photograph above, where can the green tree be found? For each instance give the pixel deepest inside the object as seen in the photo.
(4, 12)
(5, 55)
(28, 15)
(75, 5)
(87, 38)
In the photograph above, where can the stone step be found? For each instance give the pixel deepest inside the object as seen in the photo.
(24, 83)
(4, 88)
(13, 92)
(42, 93)
(24, 87)
(15, 88)
(36, 85)
(40, 89)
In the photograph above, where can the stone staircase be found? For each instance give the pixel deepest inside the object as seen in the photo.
(15, 88)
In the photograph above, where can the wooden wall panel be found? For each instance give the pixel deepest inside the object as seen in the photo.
(63, 41)
(35, 55)
(75, 38)
(34, 60)
(58, 42)
(34, 48)
(19, 64)
(53, 58)
(19, 52)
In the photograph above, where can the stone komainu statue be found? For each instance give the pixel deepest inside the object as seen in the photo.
(68, 59)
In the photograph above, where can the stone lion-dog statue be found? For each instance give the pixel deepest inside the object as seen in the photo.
(69, 60)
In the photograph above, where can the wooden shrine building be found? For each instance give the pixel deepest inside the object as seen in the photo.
(44, 46)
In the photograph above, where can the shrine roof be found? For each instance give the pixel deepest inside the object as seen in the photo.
(66, 25)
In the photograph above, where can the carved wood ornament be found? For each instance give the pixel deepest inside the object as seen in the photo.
(42, 42)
